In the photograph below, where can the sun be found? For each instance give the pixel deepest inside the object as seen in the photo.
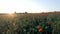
(11, 12)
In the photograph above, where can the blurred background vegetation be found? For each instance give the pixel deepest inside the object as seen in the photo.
(33, 23)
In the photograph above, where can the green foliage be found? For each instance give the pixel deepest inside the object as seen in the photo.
(28, 24)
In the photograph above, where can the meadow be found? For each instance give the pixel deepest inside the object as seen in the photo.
(30, 23)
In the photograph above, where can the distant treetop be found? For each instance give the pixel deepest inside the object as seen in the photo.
(26, 12)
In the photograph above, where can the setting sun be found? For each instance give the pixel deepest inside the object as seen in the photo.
(10, 12)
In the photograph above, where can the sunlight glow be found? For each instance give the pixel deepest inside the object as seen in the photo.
(8, 6)
(10, 12)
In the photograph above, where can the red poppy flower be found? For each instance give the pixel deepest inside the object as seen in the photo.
(41, 30)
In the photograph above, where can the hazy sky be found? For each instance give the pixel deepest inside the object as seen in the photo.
(29, 5)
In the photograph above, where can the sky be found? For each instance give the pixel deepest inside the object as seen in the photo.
(30, 6)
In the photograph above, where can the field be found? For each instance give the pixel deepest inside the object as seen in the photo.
(30, 23)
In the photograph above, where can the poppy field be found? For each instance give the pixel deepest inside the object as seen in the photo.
(30, 23)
